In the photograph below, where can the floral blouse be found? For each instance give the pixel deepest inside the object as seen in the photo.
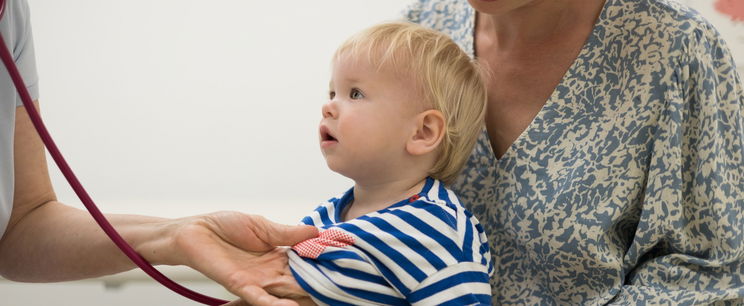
(628, 185)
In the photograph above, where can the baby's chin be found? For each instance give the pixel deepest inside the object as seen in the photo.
(340, 168)
(333, 164)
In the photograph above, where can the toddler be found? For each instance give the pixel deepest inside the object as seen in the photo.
(405, 107)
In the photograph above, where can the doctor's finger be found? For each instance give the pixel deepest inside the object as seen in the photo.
(237, 303)
(276, 234)
(254, 295)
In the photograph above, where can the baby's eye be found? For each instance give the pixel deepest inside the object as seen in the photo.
(356, 94)
(331, 95)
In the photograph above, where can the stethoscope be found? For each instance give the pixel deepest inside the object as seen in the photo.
(7, 59)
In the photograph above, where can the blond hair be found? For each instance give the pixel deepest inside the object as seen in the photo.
(449, 80)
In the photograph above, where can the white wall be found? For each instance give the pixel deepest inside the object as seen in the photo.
(176, 107)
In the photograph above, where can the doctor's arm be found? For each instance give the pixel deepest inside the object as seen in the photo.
(47, 241)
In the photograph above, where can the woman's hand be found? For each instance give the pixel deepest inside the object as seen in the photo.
(236, 250)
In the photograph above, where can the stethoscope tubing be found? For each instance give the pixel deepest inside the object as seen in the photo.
(7, 59)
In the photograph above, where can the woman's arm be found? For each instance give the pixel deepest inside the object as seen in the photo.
(48, 241)
(688, 247)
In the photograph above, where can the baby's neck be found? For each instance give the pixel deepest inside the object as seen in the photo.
(373, 197)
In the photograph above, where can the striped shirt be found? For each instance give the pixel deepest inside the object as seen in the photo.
(424, 250)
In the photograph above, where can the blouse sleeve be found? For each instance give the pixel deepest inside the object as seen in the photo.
(688, 247)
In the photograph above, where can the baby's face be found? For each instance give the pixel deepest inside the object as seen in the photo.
(368, 118)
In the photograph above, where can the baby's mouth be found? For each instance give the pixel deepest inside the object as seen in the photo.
(325, 134)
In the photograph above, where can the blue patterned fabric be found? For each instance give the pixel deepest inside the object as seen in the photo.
(628, 186)
(425, 250)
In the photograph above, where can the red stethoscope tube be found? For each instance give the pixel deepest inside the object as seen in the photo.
(7, 59)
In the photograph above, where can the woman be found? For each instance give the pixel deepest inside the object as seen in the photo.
(610, 169)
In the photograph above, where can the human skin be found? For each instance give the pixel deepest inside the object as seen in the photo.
(377, 131)
(527, 47)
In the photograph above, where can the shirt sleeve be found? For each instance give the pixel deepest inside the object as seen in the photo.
(22, 47)
(334, 272)
(688, 247)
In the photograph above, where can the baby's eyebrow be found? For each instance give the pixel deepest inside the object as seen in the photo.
(352, 80)
(347, 80)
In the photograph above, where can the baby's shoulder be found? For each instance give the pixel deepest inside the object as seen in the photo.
(324, 214)
(443, 212)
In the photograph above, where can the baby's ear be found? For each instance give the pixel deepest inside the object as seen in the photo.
(430, 128)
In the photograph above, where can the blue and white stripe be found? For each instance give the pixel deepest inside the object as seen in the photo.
(427, 252)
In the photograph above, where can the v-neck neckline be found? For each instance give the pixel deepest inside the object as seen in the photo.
(554, 96)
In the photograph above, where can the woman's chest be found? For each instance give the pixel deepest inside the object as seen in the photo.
(514, 99)
(578, 165)
(518, 88)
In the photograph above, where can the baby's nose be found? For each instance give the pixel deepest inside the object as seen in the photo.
(329, 110)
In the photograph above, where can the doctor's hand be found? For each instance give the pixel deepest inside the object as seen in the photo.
(236, 250)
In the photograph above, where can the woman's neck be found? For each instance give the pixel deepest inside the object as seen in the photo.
(373, 196)
(539, 22)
